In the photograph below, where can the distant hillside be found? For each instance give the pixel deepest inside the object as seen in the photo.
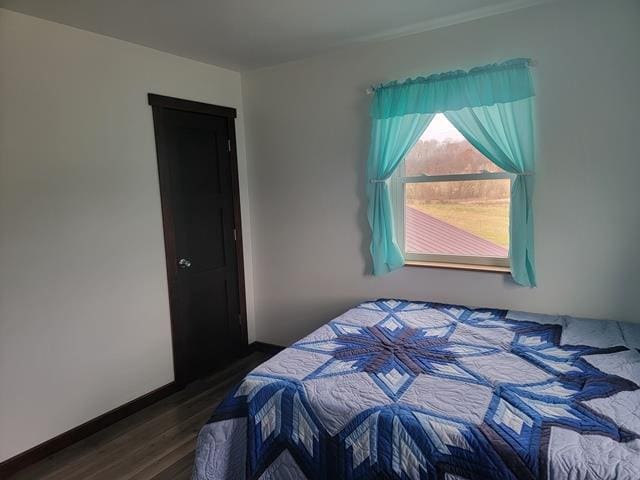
(434, 157)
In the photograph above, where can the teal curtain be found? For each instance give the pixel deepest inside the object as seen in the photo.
(492, 106)
(391, 139)
(504, 133)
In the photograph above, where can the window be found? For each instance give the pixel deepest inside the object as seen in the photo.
(451, 202)
(494, 105)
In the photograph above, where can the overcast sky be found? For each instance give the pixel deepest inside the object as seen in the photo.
(441, 129)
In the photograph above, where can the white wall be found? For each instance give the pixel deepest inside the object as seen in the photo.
(308, 129)
(84, 316)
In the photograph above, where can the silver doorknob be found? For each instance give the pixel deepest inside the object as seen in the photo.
(184, 263)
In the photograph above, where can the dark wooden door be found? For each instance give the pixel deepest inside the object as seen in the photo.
(198, 185)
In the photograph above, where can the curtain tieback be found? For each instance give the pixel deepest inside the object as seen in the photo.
(524, 174)
(375, 180)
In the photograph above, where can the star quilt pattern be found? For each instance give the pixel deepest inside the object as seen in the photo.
(420, 390)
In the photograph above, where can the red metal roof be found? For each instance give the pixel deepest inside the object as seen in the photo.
(427, 234)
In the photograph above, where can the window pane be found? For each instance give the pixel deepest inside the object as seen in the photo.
(458, 218)
(442, 150)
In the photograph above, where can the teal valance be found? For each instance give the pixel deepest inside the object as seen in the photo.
(481, 86)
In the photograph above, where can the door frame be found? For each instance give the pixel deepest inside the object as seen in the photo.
(158, 104)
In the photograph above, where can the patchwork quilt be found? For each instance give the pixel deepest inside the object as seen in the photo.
(415, 390)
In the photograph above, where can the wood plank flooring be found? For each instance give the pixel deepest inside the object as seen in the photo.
(156, 443)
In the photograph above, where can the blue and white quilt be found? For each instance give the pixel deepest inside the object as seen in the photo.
(413, 390)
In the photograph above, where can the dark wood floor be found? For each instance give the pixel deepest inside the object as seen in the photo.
(156, 443)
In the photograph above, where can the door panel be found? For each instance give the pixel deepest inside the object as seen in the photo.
(208, 335)
(201, 185)
(199, 212)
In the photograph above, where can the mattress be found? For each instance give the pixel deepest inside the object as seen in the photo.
(417, 390)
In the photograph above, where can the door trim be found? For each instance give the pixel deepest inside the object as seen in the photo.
(159, 103)
(191, 106)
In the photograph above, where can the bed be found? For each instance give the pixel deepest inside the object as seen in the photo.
(416, 390)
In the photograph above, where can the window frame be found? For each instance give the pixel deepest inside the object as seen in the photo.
(397, 185)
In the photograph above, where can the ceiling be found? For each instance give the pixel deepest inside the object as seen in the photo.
(249, 34)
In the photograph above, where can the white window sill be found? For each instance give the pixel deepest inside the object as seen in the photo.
(458, 266)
